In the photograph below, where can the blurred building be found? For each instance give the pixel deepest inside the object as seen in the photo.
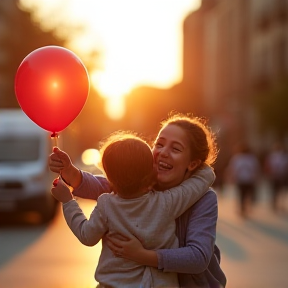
(269, 39)
(232, 51)
(268, 59)
(6, 8)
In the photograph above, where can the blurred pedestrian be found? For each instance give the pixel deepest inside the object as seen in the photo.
(276, 169)
(244, 171)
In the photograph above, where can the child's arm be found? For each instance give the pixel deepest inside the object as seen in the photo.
(60, 191)
(89, 232)
(181, 197)
(199, 240)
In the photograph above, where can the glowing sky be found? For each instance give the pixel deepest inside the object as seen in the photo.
(139, 41)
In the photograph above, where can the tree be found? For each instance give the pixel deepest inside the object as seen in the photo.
(26, 36)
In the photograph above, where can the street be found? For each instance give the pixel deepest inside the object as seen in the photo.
(46, 256)
(254, 250)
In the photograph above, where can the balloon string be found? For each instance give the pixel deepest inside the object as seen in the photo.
(55, 136)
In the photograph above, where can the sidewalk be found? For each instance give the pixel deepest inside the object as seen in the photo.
(254, 250)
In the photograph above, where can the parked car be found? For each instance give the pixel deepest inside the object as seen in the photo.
(25, 179)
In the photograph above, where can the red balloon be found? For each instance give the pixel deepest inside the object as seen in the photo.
(52, 86)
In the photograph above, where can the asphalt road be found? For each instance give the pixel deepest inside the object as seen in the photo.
(49, 256)
(254, 250)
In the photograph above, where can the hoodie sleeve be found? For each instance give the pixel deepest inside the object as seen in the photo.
(92, 186)
(180, 198)
(196, 238)
(89, 232)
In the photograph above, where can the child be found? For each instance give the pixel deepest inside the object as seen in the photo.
(133, 209)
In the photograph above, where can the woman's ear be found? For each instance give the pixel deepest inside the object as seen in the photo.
(194, 165)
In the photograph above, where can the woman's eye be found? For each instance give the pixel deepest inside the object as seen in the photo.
(158, 145)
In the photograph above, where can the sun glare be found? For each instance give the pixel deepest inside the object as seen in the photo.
(55, 85)
(139, 42)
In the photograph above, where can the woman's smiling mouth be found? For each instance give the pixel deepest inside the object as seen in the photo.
(164, 166)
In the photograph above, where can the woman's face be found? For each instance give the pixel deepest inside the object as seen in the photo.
(172, 156)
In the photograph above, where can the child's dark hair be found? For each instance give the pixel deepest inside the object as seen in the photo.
(202, 140)
(127, 161)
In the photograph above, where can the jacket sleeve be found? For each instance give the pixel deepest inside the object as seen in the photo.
(92, 186)
(198, 245)
(89, 232)
(181, 197)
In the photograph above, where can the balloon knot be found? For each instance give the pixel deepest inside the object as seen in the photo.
(54, 135)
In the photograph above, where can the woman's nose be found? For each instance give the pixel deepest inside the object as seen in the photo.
(164, 152)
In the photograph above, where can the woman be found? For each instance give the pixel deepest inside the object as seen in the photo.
(182, 139)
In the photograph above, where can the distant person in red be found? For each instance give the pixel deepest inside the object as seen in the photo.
(276, 169)
(244, 171)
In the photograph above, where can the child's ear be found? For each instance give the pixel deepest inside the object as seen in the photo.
(194, 165)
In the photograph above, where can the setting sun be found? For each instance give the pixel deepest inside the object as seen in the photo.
(139, 42)
(55, 85)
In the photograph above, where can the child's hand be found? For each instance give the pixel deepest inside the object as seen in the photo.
(60, 191)
(60, 163)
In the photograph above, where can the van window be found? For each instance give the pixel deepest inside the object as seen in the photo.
(20, 149)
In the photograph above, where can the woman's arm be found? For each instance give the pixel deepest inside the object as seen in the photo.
(196, 241)
(84, 184)
(198, 227)
(92, 186)
(132, 249)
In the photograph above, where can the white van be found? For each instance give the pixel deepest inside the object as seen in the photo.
(25, 179)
